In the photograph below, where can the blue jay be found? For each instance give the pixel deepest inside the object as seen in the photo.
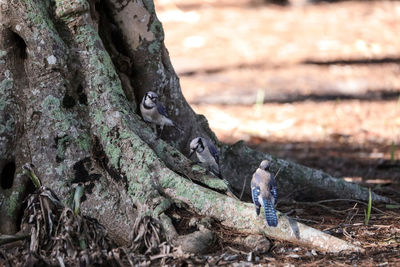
(263, 191)
(154, 112)
(207, 154)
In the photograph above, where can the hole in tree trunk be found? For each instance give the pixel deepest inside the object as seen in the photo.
(7, 175)
(68, 101)
(20, 45)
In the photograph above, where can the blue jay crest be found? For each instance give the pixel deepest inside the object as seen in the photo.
(263, 192)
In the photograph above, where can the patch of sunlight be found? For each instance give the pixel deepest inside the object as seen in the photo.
(257, 128)
(369, 181)
(376, 48)
(353, 179)
(259, 102)
(194, 41)
(380, 181)
(351, 86)
(221, 120)
(327, 44)
(178, 16)
(263, 128)
(376, 155)
(288, 49)
(367, 48)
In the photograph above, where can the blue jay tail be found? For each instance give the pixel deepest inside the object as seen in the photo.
(270, 213)
(258, 210)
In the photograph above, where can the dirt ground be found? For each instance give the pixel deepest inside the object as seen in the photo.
(318, 84)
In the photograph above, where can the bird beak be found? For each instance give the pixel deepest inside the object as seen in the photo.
(191, 153)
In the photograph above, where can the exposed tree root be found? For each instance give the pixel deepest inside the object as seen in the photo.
(241, 217)
(130, 177)
(239, 162)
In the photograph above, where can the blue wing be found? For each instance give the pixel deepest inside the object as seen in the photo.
(161, 109)
(213, 150)
(255, 193)
(270, 213)
(272, 186)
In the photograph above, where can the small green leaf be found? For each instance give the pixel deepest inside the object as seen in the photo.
(28, 170)
(82, 243)
(77, 198)
(368, 213)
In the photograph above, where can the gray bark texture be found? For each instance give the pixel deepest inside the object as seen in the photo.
(72, 73)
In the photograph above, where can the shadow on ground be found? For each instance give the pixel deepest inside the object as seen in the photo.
(360, 163)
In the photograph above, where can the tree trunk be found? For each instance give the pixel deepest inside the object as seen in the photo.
(72, 75)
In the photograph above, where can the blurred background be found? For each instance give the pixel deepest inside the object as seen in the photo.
(315, 82)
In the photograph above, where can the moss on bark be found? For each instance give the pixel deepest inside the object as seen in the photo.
(102, 143)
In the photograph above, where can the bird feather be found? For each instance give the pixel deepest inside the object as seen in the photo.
(255, 193)
(270, 213)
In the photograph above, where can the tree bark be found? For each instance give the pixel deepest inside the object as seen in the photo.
(72, 75)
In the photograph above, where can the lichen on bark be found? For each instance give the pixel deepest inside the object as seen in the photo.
(79, 121)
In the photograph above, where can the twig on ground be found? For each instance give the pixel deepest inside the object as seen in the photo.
(345, 233)
(352, 200)
(321, 206)
(352, 214)
(236, 250)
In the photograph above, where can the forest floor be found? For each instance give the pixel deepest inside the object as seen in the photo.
(317, 84)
